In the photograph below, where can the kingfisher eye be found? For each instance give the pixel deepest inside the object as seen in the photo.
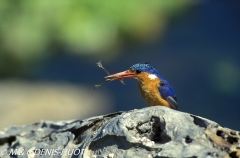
(138, 71)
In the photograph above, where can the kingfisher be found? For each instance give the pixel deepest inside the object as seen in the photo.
(155, 90)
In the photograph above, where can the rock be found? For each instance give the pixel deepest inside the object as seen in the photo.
(148, 132)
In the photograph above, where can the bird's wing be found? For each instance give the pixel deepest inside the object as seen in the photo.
(167, 93)
(172, 102)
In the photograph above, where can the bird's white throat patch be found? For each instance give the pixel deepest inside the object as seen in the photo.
(152, 76)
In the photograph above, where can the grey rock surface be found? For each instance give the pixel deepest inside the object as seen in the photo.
(149, 132)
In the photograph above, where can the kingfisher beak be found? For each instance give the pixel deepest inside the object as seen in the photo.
(121, 75)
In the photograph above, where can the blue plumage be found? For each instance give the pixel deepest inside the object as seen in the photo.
(165, 88)
(146, 67)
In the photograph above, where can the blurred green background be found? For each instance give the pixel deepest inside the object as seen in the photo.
(49, 50)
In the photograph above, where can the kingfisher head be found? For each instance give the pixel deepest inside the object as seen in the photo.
(140, 71)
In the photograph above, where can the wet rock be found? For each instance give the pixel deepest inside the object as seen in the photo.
(149, 132)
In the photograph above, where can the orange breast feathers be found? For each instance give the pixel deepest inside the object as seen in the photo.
(148, 85)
